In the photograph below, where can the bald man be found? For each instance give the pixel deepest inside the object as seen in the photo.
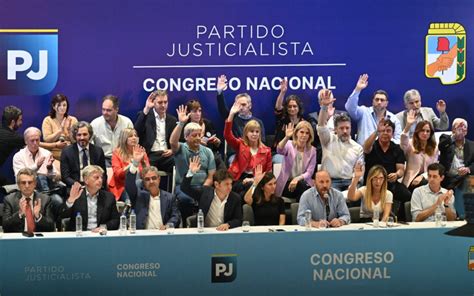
(327, 205)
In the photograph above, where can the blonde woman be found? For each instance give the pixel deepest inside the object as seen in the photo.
(250, 151)
(121, 158)
(299, 160)
(375, 196)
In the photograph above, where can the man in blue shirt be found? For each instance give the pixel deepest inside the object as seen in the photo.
(327, 205)
(368, 117)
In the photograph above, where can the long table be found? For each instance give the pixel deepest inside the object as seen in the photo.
(357, 259)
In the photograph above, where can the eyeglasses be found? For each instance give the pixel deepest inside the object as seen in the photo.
(148, 179)
(26, 182)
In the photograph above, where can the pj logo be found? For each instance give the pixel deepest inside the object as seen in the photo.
(224, 268)
(446, 52)
(28, 61)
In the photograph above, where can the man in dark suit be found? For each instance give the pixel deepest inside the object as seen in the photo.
(76, 157)
(457, 156)
(212, 199)
(26, 210)
(96, 206)
(154, 207)
(154, 127)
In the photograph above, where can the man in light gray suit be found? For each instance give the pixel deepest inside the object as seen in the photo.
(412, 100)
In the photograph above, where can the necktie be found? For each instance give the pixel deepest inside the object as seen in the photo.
(85, 159)
(30, 222)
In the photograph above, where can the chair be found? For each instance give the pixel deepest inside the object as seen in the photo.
(294, 213)
(248, 214)
(408, 216)
(191, 221)
(355, 214)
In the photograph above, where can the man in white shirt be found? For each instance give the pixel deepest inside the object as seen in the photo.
(428, 199)
(107, 128)
(340, 152)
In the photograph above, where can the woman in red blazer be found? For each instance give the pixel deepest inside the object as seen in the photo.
(250, 152)
(121, 158)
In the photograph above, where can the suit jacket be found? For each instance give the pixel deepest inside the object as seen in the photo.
(106, 211)
(232, 209)
(427, 113)
(12, 221)
(446, 148)
(71, 168)
(141, 201)
(146, 128)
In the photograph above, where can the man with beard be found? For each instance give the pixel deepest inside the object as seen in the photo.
(457, 156)
(412, 100)
(12, 119)
(327, 205)
(368, 117)
(107, 128)
(340, 152)
(79, 155)
(183, 152)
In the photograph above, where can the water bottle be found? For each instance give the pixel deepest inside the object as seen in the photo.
(437, 217)
(78, 224)
(307, 219)
(200, 221)
(133, 222)
(376, 218)
(123, 224)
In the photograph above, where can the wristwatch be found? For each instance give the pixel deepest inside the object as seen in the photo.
(446, 206)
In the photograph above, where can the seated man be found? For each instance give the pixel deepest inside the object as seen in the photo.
(327, 205)
(107, 128)
(412, 100)
(368, 117)
(154, 207)
(76, 157)
(379, 149)
(340, 152)
(221, 207)
(183, 152)
(27, 210)
(457, 156)
(96, 206)
(427, 199)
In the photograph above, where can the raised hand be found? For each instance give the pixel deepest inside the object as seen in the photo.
(235, 108)
(363, 82)
(75, 192)
(289, 129)
(194, 164)
(358, 170)
(183, 116)
(150, 103)
(381, 126)
(258, 175)
(441, 106)
(37, 208)
(221, 83)
(327, 98)
(283, 86)
(50, 160)
(411, 117)
(138, 153)
(39, 161)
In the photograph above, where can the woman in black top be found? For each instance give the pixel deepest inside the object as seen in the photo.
(268, 209)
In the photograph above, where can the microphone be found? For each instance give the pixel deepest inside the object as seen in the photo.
(326, 200)
(128, 206)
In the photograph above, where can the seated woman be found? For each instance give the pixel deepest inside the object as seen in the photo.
(209, 138)
(268, 208)
(420, 152)
(375, 196)
(56, 126)
(250, 152)
(299, 161)
(289, 110)
(121, 158)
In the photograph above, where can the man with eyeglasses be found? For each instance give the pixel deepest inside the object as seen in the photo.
(107, 128)
(412, 100)
(154, 207)
(26, 210)
(368, 117)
